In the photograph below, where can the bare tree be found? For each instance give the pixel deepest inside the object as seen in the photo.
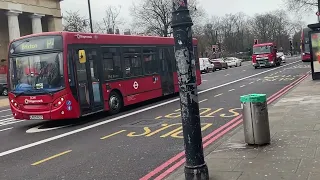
(301, 5)
(112, 19)
(153, 17)
(75, 23)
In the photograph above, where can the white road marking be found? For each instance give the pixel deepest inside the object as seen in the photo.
(204, 80)
(7, 115)
(128, 115)
(244, 70)
(242, 86)
(251, 82)
(218, 95)
(203, 100)
(5, 110)
(231, 90)
(6, 129)
(227, 75)
(36, 129)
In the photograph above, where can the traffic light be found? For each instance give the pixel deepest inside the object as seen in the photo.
(256, 41)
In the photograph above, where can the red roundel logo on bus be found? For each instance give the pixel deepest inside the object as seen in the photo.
(135, 85)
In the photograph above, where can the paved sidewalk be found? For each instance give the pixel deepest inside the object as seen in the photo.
(294, 152)
(4, 102)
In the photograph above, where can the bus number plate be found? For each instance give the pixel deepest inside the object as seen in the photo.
(36, 117)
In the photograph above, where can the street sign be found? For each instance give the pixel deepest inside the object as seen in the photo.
(215, 48)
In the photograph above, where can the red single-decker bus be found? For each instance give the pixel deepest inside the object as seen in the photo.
(305, 49)
(66, 75)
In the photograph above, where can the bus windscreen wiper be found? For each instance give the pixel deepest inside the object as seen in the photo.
(23, 92)
(32, 90)
(46, 91)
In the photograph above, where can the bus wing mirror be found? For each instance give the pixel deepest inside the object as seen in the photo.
(82, 56)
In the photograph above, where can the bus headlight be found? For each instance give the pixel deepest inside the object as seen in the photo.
(58, 102)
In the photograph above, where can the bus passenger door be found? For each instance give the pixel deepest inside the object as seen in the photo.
(166, 58)
(90, 89)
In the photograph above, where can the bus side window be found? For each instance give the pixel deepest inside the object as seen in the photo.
(112, 68)
(132, 61)
(150, 61)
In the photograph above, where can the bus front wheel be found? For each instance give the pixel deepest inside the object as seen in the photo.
(115, 102)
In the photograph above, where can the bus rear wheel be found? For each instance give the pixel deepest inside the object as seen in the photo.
(115, 103)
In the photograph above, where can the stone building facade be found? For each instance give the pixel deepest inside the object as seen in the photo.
(23, 17)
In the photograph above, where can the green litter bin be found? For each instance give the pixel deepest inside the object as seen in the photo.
(255, 119)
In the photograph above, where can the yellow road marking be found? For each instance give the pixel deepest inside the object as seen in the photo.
(113, 134)
(49, 158)
(218, 95)
(158, 117)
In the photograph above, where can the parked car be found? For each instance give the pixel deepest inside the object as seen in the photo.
(205, 65)
(3, 89)
(233, 62)
(282, 56)
(219, 64)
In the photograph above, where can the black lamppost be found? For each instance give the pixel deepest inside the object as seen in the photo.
(90, 18)
(195, 167)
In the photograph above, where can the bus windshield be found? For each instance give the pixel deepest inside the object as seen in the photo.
(262, 50)
(37, 72)
(306, 48)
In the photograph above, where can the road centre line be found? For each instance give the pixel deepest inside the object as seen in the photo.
(51, 157)
(6, 129)
(129, 114)
(203, 100)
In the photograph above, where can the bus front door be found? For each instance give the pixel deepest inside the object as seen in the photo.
(89, 84)
(166, 57)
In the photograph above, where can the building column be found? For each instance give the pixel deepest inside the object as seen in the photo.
(36, 23)
(55, 23)
(13, 24)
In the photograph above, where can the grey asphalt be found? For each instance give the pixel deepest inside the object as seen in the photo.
(133, 152)
(294, 149)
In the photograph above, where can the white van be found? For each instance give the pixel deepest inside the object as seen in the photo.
(205, 65)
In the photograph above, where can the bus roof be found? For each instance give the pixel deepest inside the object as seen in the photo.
(96, 38)
(263, 44)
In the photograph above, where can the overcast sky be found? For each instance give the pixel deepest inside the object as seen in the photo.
(212, 7)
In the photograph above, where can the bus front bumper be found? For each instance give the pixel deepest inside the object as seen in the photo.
(263, 63)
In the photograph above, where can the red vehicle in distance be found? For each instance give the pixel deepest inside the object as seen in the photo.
(305, 49)
(66, 75)
(265, 55)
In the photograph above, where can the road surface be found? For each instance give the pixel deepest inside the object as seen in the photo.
(131, 144)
